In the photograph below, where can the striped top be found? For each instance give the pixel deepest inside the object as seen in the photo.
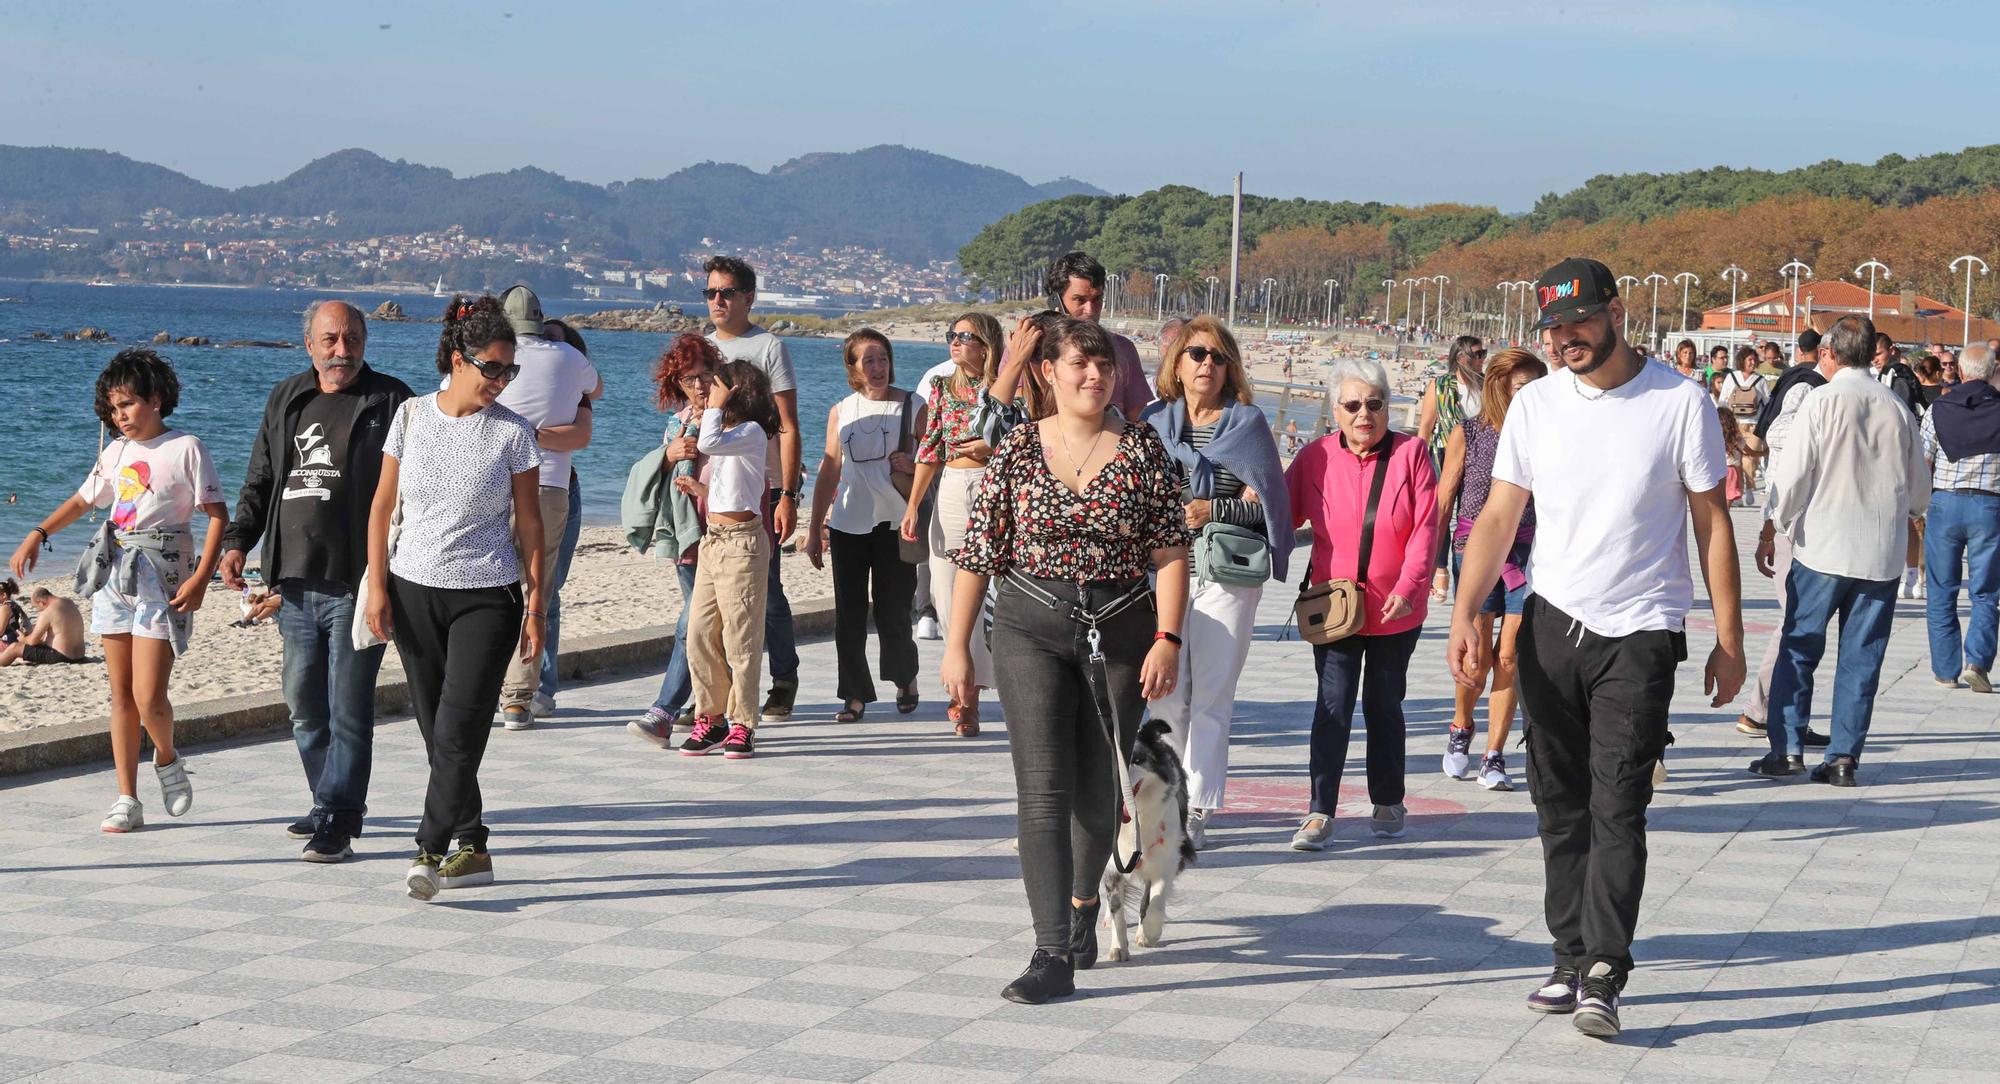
(1229, 505)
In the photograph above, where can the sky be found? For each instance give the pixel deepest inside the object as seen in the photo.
(1496, 102)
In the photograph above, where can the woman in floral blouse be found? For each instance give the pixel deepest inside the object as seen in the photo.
(1075, 510)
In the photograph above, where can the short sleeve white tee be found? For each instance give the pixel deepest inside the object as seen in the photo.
(1610, 473)
(943, 368)
(555, 377)
(455, 477)
(153, 484)
(764, 350)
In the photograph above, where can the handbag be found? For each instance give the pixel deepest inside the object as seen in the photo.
(919, 551)
(1337, 609)
(1228, 554)
(358, 632)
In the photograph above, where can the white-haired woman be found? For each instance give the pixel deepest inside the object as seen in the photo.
(1330, 483)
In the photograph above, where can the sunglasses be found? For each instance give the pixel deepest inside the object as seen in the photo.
(1354, 406)
(726, 293)
(1202, 355)
(962, 337)
(495, 370)
(1475, 353)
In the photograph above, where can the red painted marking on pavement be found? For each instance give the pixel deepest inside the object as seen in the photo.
(1267, 796)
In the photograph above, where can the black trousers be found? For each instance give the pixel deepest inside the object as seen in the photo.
(1600, 721)
(859, 559)
(1065, 779)
(455, 645)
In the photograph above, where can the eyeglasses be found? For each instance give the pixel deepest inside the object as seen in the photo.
(1353, 406)
(1475, 354)
(1202, 355)
(726, 293)
(495, 370)
(963, 337)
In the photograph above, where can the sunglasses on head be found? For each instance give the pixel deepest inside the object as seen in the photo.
(495, 370)
(726, 293)
(1202, 355)
(965, 337)
(1354, 406)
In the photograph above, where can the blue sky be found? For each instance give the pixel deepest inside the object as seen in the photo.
(1495, 102)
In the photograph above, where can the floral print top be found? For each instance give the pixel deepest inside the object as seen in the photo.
(951, 420)
(1026, 520)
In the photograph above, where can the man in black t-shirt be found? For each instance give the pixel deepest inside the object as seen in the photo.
(306, 494)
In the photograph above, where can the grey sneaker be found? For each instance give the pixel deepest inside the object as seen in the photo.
(1976, 680)
(1458, 752)
(1313, 833)
(466, 868)
(655, 726)
(422, 880)
(1387, 821)
(1197, 827)
(543, 704)
(518, 717)
(176, 793)
(1493, 772)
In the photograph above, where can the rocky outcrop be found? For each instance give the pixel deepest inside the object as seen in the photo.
(94, 335)
(264, 344)
(162, 338)
(388, 310)
(41, 336)
(192, 340)
(661, 319)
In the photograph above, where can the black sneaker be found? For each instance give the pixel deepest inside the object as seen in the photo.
(1597, 1002)
(1557, 993)
(303, 828)
(1083, 935)
(1778, 766)
(329, 845)
(709, 730)
(1047, 976)
(778, 704)
(1813, 739)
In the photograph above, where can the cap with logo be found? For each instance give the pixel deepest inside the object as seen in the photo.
(1573, 291)
(522, 309)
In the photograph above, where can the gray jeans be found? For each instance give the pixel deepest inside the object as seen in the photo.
(1064, 776)
(1754, 704)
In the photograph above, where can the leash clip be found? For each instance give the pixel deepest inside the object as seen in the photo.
(1096, 643)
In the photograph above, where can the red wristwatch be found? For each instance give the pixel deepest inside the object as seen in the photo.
(1170, 637)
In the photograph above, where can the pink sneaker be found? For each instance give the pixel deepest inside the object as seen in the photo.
(740, 745)
(707, 734)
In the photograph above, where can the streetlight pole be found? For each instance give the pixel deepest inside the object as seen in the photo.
(1526, 287)
(1794, 269)
(1110, 295)
(1735, 275)
(1653, 330)
(1409, 302)
(1268, 283)
(1871, 267)
(1506, 295)
(1622, 289)
(1160, 290)
(1965, 334)
(1212, 280)
(1424, 313)
(1329, 284)
(1389, 302)
(1442, 281)
(1684, 278)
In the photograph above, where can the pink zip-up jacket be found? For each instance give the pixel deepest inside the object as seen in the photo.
(1329, 488)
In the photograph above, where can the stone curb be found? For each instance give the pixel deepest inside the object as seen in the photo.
(264, 716)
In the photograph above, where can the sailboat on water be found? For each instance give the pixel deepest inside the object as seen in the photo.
(439, 290)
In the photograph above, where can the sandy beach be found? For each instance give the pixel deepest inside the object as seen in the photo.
(610, 589)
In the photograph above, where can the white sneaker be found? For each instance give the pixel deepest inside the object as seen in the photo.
(927, 628)
(543, 704)
(126, 815)
(1493, 772)
(422, 881)
(176, 793)
(1197, 827)
(517, 718)
(1458, 752)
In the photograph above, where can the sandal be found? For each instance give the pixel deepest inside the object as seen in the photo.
(906, 700)
(965, 719)
(851, 712)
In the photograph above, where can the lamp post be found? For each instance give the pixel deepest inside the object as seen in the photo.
(1110, 296)
(1965, 334)
(1653, 330)
(1442, 281)
(1684, 278)
(1409, 302)
(1622, 288)
(1526, 286)
(1424, 311)
(1506, 295)
(1389, 301)
(1795, 269)
(1160, 291)
(1872, 266)
(1735, 275)
(1268, 283)
(1329, 284)
(1212, 280)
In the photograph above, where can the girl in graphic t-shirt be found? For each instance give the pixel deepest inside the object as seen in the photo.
(145, 579)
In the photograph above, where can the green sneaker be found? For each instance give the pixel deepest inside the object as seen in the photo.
(465, 868)
(422, 880)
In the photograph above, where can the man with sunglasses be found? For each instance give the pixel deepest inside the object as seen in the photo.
(1616, 453)
(306, 496)
(553, 389)
(731, 291)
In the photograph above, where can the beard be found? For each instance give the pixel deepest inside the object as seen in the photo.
(1599, 353)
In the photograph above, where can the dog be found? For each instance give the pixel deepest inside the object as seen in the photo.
(1160, 798)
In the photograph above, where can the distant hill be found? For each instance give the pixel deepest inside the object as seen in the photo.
(912, 204)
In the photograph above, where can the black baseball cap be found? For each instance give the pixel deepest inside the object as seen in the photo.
(1573, 291)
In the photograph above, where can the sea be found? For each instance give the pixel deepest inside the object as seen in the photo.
(49, 434)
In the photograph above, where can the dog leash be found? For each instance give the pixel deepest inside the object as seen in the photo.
(1098, 676)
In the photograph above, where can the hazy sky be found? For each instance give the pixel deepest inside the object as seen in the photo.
(1483, 101)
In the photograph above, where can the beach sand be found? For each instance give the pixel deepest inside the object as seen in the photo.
(610, 589)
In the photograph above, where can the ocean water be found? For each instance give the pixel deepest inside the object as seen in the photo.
(49, 433)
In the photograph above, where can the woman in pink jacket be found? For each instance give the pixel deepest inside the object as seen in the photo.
(1329, 482)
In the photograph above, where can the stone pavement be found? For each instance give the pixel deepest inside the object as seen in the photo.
(846, 907)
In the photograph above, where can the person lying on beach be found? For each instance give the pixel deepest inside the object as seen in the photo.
(56, 637)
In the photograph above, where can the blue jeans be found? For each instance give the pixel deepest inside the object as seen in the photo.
(330, 689)
(571, 530)
(1962, 528)
(1376, 669)
(676, 687)
(781, 646)
(1812, 600)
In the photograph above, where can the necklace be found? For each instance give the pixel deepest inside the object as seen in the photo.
(1067, 454)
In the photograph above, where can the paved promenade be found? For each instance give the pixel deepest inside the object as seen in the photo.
(846, 907)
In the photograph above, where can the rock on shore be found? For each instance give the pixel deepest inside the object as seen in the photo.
(662, 319)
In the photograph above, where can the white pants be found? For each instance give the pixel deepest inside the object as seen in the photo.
(956, 486)
(1215, 642)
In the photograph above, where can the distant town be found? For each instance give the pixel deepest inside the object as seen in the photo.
(275, 250)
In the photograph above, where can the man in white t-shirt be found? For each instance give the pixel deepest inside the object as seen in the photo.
(731, 291)
(553, 392)
(1616, 453)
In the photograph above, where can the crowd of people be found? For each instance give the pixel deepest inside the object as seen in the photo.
(1096, 544)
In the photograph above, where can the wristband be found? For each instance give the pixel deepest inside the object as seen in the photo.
(1170, 637)
(535, 613)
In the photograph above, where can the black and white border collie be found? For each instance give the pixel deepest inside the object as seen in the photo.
(1160, 795)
